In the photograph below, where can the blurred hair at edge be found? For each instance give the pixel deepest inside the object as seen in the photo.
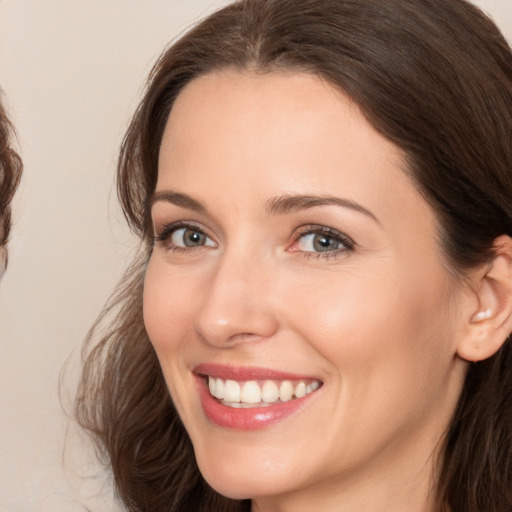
(10, 174)
(433, 77)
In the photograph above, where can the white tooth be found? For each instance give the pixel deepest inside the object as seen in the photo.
(243, 405)
(309, 389)
(286, 391)
(211, 385)
(231, 391)
(315, 385)
(219, 389)
(251, 393)
(269, 392)
(300, 390)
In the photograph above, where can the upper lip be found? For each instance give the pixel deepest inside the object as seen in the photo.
(245, 373)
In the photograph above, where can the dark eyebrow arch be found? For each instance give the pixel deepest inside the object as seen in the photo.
(290, 203)
(275, 206)
(177, 198)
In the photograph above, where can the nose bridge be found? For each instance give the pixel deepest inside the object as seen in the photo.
(236, 305)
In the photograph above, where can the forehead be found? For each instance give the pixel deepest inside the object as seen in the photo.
(294, 129)
(252, 120)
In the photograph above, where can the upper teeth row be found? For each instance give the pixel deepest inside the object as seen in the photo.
(250, 392)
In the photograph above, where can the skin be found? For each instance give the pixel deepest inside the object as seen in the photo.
(378, 324)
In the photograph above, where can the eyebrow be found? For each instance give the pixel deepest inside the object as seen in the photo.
(276, 206)
(169, 196)
(291, 203)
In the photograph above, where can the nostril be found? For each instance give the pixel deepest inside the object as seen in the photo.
(244, 336)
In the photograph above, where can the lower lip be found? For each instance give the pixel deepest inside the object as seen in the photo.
(252, 418)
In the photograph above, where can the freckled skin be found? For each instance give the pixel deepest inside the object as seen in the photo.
(378, 324)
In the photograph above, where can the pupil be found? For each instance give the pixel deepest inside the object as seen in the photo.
(323, 243)
(193, 238)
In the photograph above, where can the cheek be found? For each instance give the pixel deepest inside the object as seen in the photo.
(394, 329)
(387, 343)
(343, 315)
(167, 305)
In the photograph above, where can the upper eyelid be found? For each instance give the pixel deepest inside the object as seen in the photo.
(197, 218)
(312, 228)
(318, 228)
(167, 229)
(179, 224)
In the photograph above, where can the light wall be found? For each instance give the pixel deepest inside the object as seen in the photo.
(72, 72)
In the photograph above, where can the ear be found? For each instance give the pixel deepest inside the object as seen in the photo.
(490, 323)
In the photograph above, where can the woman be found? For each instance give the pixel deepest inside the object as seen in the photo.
(319, 318)
(10, 174)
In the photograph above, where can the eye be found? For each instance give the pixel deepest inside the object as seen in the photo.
(190, 237)
(318, 242)
(183, 236)
(321, 239)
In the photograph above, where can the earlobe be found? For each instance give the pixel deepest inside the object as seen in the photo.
(491, 323)
(481, 316)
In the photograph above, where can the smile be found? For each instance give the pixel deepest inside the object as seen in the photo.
(251, 398)
(254, 393)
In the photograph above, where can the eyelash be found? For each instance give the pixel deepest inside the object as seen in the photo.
(348, 245)
(164, 236)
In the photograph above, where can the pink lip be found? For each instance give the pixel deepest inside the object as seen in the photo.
(246, 373)
(251, 418)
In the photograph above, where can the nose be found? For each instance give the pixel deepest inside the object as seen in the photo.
(237, 303)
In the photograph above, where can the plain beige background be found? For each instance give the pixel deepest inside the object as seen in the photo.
(72, 72)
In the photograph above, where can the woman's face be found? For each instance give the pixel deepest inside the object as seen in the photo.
(297, 269)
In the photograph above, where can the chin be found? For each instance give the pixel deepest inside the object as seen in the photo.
(234, 485)
(245, 481)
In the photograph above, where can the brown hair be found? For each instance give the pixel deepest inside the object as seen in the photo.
(435, 78)
(10, 174)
